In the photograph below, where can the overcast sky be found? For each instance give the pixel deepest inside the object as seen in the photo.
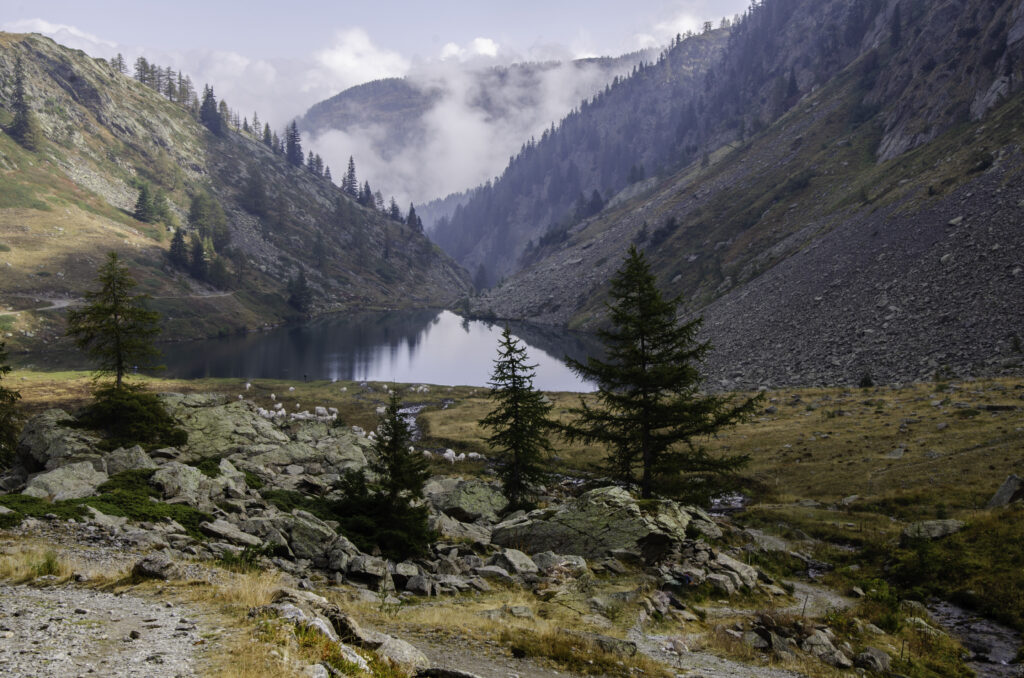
(279, 58)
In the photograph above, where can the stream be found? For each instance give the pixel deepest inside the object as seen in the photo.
(992, 645)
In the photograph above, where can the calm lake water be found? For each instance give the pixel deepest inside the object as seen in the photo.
(432, 347)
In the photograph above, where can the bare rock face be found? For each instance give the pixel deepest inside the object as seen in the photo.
(72, 481)
(601, 521)
(49, 443)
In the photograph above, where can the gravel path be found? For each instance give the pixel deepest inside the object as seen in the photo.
(66, 631)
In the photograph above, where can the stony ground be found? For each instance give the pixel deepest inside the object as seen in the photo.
(64, 631)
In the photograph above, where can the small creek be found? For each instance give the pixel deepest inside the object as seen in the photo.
(992, 645)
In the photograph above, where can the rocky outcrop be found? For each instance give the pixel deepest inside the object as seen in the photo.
(72, 481)
(47, 442)
(466, 500)
(602, 521)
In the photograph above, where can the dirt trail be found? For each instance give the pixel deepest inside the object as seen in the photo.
(62, 631)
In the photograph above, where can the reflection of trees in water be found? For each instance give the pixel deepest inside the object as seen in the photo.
(338, 347)
(558, 342)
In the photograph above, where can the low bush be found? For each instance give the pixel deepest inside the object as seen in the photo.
(129, 416)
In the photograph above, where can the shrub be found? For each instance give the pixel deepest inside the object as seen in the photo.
(128, 416)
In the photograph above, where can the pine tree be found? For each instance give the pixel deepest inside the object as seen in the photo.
(400, 472)
(254, 195)
(327, 173)
(197, 262)
(268, 140)
(24, 128)
(413, 220)
(206, 216)
(9, 417)
(293, 144)
(178, 252)
(299, 295)
(209, 114)
(519, 422)
(649, 409)
(349, 183)
(145, 206)
(394, 211)
(115, 328)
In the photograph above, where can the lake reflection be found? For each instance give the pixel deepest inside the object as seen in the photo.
(403, 346)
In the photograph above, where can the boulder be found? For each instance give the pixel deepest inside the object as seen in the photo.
(72, 481)
(873, 659)
(308, 536)
(184, 484)
(222, 529)
(157, 566)
(129, 459)
(450, 528)
(1011, 490)
(931, 529)
(99, 518)
(601, 521)
(514, 562)
(402, 654)
(46, 443)
(746, 574)
(548, 561)
(819, 645)
(467, 500)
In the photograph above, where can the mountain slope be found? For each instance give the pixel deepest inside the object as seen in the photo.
(63, 207)
(873, 228)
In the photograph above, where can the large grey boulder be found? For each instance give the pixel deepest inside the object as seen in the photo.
(72, 481)
(450, 528)
(466, 500)
(874, 660)
(603, 520)
(129, 459)
(183, 484)
(222, 529)
(1011, 490)
(46, 443)
(157, 566)
(931, 529)
(514, 561)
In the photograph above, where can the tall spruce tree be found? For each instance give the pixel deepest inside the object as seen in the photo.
(650, 411)
(293, 145)
(209, 114)
(178, 252)
(401, 473)
(520, 421)
(115, 328)
(349, 183)
(9, 417)
(24, 128)
(146, 209)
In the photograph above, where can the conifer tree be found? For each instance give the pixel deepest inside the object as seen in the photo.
(179, 251)
(293, 144)
(268, 140)
(413, 220)
(209, 114)
(650, 411)
(146, 209)
(519, 422)
(9, 417)
(349, 183)
(254, 195)
(400, 473)
(197, 262)
(327, 173)
(299, 295)
(115, 328)
(24, 128)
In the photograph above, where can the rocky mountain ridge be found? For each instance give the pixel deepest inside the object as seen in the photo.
(63, 207)
(841, 236)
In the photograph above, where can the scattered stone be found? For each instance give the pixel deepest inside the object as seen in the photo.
(72, 481)
(157, 566)
(1010, 491)
(931, 529)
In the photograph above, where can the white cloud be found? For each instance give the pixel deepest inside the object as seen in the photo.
(477, 48)
(664, 31)
(354, 59)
